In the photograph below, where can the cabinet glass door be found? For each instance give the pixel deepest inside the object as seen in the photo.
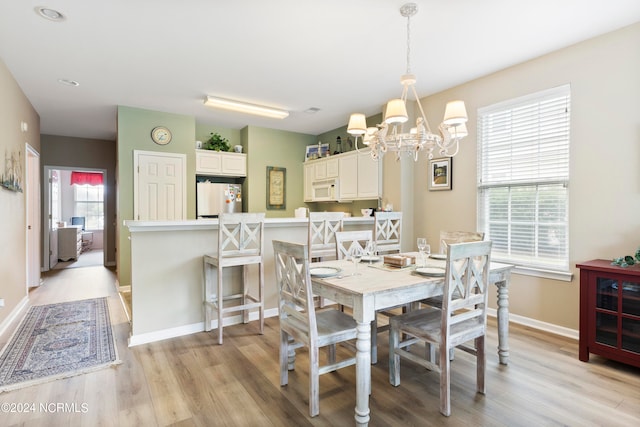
(606, 312)
(631, 316)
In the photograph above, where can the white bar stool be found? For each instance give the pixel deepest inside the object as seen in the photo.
(240, 243)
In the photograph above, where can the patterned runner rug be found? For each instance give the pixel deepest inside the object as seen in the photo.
(58, 341)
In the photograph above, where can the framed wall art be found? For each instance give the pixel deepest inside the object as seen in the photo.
(276, 188)
(440, 174)
(316, 151)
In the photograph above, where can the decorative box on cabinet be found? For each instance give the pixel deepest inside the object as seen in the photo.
(610, 311)
(221, 163)
(69, 242)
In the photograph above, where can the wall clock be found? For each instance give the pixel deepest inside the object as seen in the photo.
(161, 135)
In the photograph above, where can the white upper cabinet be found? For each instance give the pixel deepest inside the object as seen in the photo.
(325, 168)
(220, 163)
(369, 176)
(359, 177)
(308, 182)
(348, 176)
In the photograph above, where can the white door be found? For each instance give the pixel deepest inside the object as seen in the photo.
(54, 216)
(32, 197)
(159, 186)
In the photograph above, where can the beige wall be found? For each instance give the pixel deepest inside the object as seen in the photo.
(604, 192)
(15, 108)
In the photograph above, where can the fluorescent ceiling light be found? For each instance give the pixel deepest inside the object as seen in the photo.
(243, 107)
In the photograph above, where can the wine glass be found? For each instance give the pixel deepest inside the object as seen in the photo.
(371, 251)
(355, 252)
(422, 245)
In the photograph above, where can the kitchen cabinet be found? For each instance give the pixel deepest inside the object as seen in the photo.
(308, 182)
(610, 311)
(69, 242)
(220, 163)
(369, 176)
(348, 176)
(359, 176)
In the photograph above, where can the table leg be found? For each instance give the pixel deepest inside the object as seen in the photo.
(363, 373)
(503, 321)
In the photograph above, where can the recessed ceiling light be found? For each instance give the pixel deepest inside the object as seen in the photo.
(51, 14)
(312, 110)
(68, 82)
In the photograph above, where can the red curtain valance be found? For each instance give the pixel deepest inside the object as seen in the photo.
(86, 178)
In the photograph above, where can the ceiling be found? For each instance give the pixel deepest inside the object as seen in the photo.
(335, 55)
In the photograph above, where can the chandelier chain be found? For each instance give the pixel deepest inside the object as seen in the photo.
(389, 135)
(409, 44)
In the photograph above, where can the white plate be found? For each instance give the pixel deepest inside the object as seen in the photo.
(324, 271)
(438, 256)
(430, 271)
(370, 258)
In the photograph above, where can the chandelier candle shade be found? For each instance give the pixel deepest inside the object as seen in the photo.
(389, 135)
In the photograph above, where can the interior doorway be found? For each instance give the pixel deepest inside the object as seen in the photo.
(68, 205)
(32, 196)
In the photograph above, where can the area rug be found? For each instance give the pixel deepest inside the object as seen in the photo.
(58, 341)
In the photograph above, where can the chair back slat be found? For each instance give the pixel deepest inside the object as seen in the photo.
(345, 240)
(294, 285)
(321, 233)
(240, 234)
(466, 285)
(387, 231)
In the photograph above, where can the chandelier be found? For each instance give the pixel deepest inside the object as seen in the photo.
(389, 135)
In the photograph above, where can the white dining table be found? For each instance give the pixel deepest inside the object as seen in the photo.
(377, 287)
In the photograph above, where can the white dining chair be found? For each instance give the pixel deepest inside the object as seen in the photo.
(321, 237)
(301, 325)
(321, 234)
(346, 240)
(387, 232)
(240, 244)
(463, 318)
(449, 237)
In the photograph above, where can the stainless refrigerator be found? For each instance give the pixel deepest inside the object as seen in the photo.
(215, 198)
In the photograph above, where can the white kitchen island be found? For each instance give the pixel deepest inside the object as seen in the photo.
(167, 281)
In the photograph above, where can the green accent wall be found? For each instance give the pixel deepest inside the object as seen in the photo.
(270, 147)
(134, 133)
(264, 147)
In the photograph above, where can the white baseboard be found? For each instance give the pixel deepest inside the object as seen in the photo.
(15, 313)
(537, 324)
(236, 320)
(193, 328)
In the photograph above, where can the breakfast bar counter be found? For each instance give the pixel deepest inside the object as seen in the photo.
(167, 274)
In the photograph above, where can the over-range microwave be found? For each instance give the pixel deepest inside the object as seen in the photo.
(325, 190)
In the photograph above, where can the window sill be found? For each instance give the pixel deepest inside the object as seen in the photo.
(545, 274)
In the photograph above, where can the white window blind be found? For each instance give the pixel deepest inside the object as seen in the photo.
(523, 179)
(89, 204)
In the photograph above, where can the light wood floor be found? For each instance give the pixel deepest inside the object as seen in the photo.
(192, 381)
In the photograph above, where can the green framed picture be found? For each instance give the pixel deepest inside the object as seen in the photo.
(276, 188)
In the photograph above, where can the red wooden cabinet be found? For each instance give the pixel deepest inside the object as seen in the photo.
(610, 311)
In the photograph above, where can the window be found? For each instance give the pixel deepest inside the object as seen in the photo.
(89, 204)
(523, 179)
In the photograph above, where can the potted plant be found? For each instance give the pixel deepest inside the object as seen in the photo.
(216, 143)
